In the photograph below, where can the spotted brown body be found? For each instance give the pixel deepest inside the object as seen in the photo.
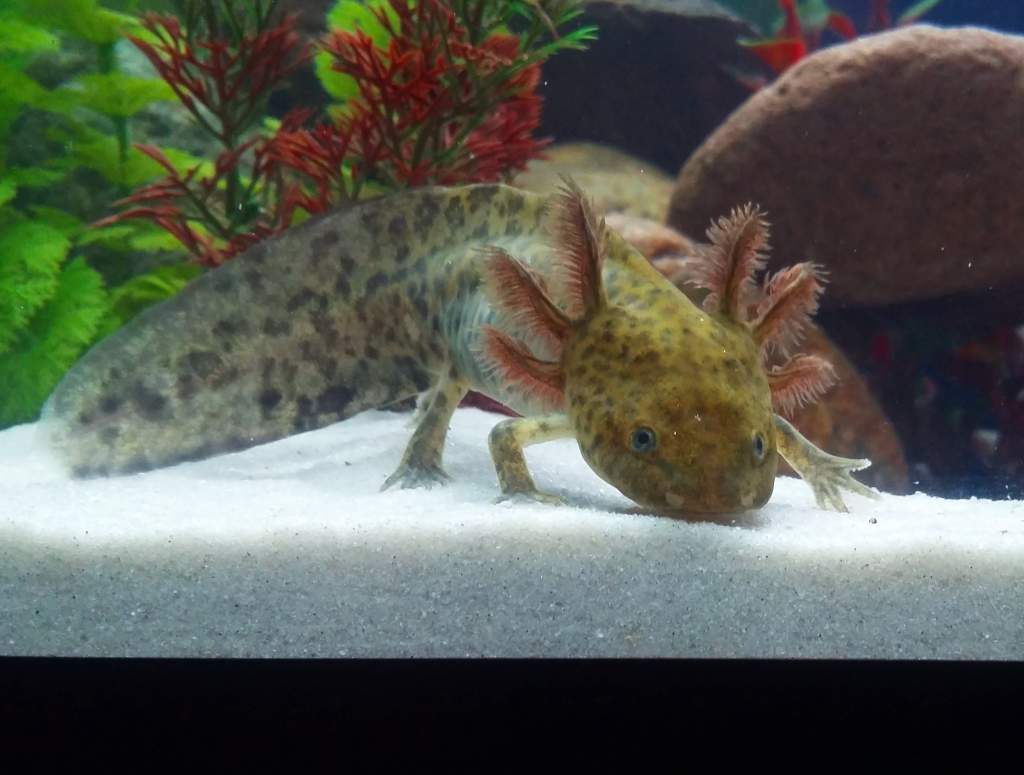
(396, 297)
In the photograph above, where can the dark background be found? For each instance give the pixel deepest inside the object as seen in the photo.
(1005, 15)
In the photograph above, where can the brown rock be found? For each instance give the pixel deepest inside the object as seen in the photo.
(897, 161)
(630, 192)
(658, 79)
(615, 181)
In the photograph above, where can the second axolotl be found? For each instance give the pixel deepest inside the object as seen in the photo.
(527, 299)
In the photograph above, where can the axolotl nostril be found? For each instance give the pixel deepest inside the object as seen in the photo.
(527, 299)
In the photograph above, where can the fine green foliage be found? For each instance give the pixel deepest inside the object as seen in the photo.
(32, 257)
(84, 19)
(55, 336)
(8, 188)
(917, 10)
(767, 18)
(130, 298)
(20, 37)
(116, 94)
(68, 112)
(762, 14)
(57, 134)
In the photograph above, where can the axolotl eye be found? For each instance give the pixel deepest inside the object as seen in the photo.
(643, 440)
(759, 446)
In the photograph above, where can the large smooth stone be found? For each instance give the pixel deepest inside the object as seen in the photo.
(897, 161)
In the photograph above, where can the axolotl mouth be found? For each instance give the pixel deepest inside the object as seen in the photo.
(748, 500)
(704, 491)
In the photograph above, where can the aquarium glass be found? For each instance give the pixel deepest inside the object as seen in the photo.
(465, 328)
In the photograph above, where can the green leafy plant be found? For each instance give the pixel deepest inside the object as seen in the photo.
(469, 69)
(791, 29)
(64, 128)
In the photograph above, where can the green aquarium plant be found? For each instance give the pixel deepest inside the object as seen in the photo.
(424, 92)
(65, 111)
(791, 29)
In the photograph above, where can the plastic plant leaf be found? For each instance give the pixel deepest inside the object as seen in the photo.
(842, 26)
(119, 95)
(102, 153)
(19, 89)
(916, 11)
(30, 257)
(34, 177)
(351, 15)
(82, 18)
(777, 54)
(814, 14)
(8, 188)
(762, 14)
(339, 86)
(20, 37)
(54, 339)
(130, 298)
(130, 236)
(57, 219)
(154, 240)
(115, 236)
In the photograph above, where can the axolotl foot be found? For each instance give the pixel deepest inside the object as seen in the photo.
(831, 475)
(532, 496)
(409, 476)
(826, 474)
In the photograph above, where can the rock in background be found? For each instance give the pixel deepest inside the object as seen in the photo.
(655, 83)
(897, 161)
(615, 181)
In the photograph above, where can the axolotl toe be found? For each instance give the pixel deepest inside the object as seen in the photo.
(527, 299)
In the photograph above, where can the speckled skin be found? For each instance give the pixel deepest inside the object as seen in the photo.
(364, 307)
(652, 359)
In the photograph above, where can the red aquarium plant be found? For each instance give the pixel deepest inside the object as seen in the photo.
(804, 25)
(450, 99)
(448, 96)
(222, 61)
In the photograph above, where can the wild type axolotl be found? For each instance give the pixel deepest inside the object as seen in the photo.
(527, 299)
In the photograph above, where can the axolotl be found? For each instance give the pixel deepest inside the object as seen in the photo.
(530, 300)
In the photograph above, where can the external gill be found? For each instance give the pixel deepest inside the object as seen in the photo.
(826, 474)
(519, 293)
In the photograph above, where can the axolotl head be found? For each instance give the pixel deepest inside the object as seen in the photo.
(672, 406)
(670, 403)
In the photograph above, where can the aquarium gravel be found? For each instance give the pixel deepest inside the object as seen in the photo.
(289, 549)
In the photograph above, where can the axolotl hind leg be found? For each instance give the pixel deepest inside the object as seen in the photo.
(825, 473)
(421, 462)
(507, 440)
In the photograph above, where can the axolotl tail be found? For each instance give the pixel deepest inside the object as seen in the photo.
(343, 313)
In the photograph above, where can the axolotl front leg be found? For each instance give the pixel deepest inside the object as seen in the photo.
(421, 461)
(825, 473)
(507, 440)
